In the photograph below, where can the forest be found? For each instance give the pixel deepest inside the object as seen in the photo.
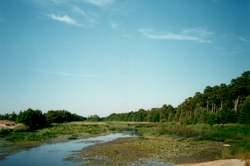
(35, 119)
(219, 104)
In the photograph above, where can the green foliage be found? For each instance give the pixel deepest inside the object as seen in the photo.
(93, 118)
(194, 121)
(221, 117)
(163, 120)
(231, 116)
(60, 116)
(156, 117)
(4, 132)
(226, 153)
(34, 119)
(55, 131)
(244, 112)
(211, 120)
(7, 116)
(171, 117)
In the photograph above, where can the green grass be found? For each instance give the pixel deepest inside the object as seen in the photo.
(238, 136)
(4, 132)
(56, 131)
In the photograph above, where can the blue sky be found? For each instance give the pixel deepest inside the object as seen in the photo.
(105, 56)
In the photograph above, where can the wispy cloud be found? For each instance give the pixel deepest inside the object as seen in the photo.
(235, 52)
(90, 16)
(198, 35)
(101, 3)
(78, 10)
(244, 40)
(65, 74)
(115, 25)
(65, 19)
(127, 35)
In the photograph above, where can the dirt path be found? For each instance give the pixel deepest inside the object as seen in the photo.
(228, 162)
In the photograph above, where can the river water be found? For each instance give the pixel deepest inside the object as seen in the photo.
(53, 154)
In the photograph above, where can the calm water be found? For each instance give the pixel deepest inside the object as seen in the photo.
(53, 154)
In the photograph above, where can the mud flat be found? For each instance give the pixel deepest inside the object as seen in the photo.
(137, 151)
(228, 162)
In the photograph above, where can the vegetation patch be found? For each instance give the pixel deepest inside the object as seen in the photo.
(125, 151)
(20, 139)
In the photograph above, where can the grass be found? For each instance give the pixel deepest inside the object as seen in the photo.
(128, 151)
(56, 131)
(159, 142)
(4, 132)
(20, 139)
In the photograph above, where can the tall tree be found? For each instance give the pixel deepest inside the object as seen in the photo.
(240, 88)
(207, 94)
(222, 93)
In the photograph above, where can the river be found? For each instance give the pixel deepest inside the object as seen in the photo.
(53, 153)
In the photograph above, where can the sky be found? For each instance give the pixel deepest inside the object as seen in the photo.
(115, 56)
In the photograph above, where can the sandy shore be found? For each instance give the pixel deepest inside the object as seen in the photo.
(228, 162)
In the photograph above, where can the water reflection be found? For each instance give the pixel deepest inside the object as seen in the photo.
(53, 154)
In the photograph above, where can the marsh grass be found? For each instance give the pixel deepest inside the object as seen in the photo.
(236, 135)
(72, 130)
(226, 153)
(199, 132)
(4, 132)
(126, 151)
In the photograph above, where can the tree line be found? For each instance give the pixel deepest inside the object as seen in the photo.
(218, 104)
(35, 119)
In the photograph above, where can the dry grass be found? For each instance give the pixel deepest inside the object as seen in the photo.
(7, 122)
(87, 123)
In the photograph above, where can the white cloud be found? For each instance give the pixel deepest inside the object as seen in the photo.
(187, 34)
(127, 35)
(65, 19)
(235, 52)
(91, 17)
(65, 74)
(78, 10)
(244, 40)
(114, 25)
(101, 3)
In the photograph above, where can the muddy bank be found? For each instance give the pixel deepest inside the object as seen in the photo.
(228, 162)
(127, 151)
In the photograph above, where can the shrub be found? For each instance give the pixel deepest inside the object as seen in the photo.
(156, 117)
(244, 112)
(171, 117)
(163, 120)
(4, 131)
(211, 119)
(34, 119)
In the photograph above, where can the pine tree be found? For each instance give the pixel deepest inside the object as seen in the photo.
(244, 112)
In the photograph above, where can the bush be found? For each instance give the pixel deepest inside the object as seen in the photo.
(4, 131)
(34, 119)
(163, 120)
(171, 117)
(211, 119)
(231, 116)
(156, 117)
(244, 112)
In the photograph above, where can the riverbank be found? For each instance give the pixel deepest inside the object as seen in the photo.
(226, 162)
(161, 143)
(20, 140)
